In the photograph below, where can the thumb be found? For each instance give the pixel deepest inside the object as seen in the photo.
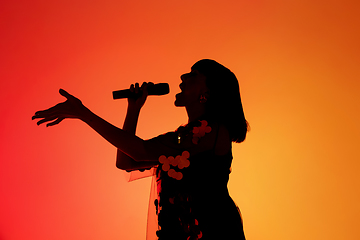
(65, 93)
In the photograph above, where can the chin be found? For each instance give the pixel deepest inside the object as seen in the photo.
(178, 104)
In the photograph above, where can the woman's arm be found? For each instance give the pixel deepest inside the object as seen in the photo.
(123, 161)
(128, 143)
(142, 153)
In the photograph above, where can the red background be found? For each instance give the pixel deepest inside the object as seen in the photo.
(295, 177)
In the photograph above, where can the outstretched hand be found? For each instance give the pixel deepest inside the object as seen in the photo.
(71, 108)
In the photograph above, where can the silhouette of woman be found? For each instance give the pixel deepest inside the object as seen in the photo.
(192, 163)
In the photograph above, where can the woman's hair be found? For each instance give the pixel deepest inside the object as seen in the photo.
(224, 101)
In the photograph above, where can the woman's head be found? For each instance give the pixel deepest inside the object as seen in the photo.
(223, 101)
(193, 85)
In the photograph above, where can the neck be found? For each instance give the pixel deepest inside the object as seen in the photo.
(195, 113)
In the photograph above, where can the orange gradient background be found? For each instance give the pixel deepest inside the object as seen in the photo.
(295, 177)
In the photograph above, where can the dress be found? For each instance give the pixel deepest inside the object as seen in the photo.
(193, 200)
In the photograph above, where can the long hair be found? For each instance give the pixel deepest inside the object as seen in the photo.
(224, 101)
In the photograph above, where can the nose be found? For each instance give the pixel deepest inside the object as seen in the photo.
(185, 76)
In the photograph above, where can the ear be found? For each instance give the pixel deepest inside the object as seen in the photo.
(204, 96)
(206, 93)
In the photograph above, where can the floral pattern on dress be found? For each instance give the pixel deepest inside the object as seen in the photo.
(199, 132)
(180, 161)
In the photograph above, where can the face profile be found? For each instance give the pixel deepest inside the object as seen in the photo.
(192, 86)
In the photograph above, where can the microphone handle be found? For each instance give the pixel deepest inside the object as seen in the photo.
(153, 89)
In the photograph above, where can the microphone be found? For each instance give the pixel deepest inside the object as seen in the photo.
(153, 89)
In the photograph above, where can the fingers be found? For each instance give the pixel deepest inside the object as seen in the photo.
(46, 113)
(140, 92)
(39, 114)
(136, 87)
(144, 89)
(57, 121)
(47, 119)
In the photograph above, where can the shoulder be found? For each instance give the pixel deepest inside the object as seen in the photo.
(165, 137)
(216, 138)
